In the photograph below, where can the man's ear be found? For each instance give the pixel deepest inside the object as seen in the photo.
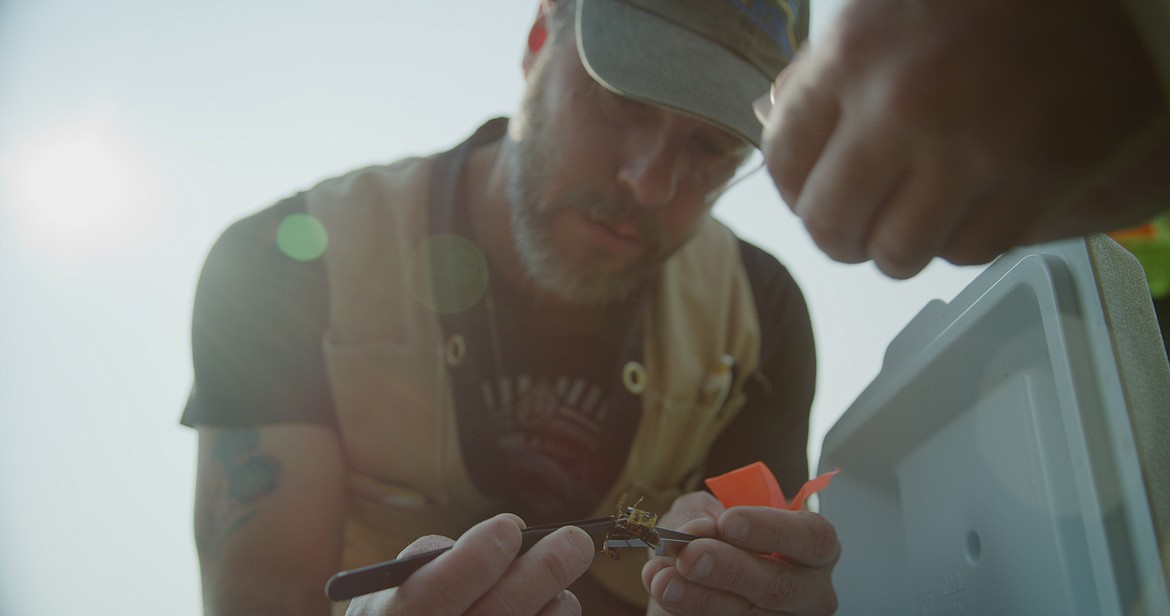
(536, 38)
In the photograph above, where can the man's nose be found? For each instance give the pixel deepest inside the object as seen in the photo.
(651, 170)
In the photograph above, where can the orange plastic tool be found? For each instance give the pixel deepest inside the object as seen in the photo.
(755, 485)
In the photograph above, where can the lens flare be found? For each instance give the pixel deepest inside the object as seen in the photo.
(302, 237)
(455, 260)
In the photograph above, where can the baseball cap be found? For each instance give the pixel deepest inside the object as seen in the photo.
(707, 58)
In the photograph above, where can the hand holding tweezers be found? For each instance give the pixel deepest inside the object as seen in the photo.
(390, 574)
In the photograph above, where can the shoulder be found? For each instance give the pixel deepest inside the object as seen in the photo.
(780, 304)
(252, 274)
(371, 210)
(763, 268)
(252, 240)
(772, 284)
(374, 186)
(257, 320)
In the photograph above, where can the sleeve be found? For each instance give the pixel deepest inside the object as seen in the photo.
(773, 425)
(257, 326)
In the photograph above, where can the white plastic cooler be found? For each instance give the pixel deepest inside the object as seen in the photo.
(1012, 455)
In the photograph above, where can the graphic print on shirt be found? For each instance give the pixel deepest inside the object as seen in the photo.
(547, 432)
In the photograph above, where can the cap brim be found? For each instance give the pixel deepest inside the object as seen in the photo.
(647, 58)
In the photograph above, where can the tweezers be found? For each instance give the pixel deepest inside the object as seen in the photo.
(392, 573)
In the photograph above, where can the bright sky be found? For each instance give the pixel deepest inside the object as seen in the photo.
(132, 132)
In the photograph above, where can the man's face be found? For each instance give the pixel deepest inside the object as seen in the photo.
(602, 188)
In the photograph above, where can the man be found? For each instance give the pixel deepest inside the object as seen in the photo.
(962, 129)
(537, 322)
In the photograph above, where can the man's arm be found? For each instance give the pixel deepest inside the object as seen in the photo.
(269, 513)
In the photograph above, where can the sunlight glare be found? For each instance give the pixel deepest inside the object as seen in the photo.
(76, 191)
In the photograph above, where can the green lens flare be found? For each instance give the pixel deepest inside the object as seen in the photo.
(302, 237)
(448, 273)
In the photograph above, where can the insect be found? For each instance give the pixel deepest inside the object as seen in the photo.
(632, 523)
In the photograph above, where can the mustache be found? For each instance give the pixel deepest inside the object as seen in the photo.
(614, 212)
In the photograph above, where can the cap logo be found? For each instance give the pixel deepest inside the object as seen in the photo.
(777, 18)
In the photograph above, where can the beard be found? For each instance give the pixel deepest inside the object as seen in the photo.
(584, 280)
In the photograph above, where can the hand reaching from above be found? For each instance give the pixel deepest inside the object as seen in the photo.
(961, 129)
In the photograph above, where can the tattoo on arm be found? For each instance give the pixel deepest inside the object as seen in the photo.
(243, 475)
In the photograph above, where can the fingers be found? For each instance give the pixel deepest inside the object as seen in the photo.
(1136, 193)
(536, 581)
(564, 604)
(736, 576)
(919, 220)
(1034, 211)
(739, 565)
(457, 579)
(991, 229)
(861, 187)
(832, 164)
(482, 575)
(694, 513)
(853, 140)
(803, 537)
(873, 194)
(798, 126)
(429, 543)
(781, 589)
(675, 593)
(652, 567)
(860, 168)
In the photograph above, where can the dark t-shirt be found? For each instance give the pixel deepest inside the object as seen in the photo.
(544, 421)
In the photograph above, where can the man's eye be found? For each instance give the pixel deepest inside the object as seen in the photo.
(720, 150)
(710, 148)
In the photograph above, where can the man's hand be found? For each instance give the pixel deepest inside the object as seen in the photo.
(961, 129)
(734, 572)
(482, 575)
